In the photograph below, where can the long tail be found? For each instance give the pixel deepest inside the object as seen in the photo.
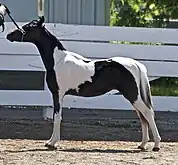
(145, 90)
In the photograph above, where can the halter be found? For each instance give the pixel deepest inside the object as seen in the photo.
(23, 33)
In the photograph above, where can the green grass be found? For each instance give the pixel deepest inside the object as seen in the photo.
(165, 87)
(164, 91)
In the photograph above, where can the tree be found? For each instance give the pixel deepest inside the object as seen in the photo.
(139, 13)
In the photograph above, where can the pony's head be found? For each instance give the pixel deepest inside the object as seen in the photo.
(29, 32)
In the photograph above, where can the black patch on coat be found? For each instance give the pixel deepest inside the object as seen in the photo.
(46, 46)
(86, 61)
(46, 43)
(108, 75)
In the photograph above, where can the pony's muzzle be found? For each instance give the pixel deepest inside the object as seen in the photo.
(8, 37)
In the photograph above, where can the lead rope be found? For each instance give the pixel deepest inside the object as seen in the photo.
(3, 13)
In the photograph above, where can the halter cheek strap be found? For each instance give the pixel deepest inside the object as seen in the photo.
(22, 32)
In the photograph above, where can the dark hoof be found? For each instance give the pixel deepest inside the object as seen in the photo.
(155, 149)
(141, 148)
(50, 147)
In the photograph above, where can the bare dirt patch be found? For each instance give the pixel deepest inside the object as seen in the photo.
(32, 152)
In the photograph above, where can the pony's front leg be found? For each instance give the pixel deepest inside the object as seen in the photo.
(57, 117)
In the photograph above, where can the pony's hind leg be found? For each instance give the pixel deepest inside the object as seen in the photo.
(148, 114)
(145, 133)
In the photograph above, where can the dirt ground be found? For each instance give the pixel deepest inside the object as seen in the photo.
(32, 152)
(89, 137)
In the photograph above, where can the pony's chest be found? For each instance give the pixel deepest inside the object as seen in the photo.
(71, 73)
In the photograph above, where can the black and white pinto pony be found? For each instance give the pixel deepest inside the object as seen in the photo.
(68, 73)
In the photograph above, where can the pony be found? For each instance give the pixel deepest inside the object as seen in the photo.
(69, 73)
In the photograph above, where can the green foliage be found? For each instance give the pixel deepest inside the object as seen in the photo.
(147, 13)
(165, 87)
(142, 13)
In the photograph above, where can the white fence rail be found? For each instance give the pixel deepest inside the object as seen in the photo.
(93, 42)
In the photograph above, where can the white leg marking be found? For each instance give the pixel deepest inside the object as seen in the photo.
(145, 134)
(149, 116)
(56, 125)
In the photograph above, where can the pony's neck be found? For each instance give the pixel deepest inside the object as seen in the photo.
(46, 50)
(53, 39)
(46, 45)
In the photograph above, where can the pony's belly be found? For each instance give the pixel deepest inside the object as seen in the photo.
(88, 92)
(91, 89)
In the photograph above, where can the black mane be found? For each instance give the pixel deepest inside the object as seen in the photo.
(55, 40)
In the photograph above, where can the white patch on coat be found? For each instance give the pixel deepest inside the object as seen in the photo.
(71, 71)
(132, 66)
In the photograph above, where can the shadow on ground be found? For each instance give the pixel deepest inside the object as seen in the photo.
(79, 150)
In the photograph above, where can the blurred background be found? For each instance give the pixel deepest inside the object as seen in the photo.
(130, 13)
(144, 13)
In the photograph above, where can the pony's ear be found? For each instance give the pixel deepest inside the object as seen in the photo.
(41, 20)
